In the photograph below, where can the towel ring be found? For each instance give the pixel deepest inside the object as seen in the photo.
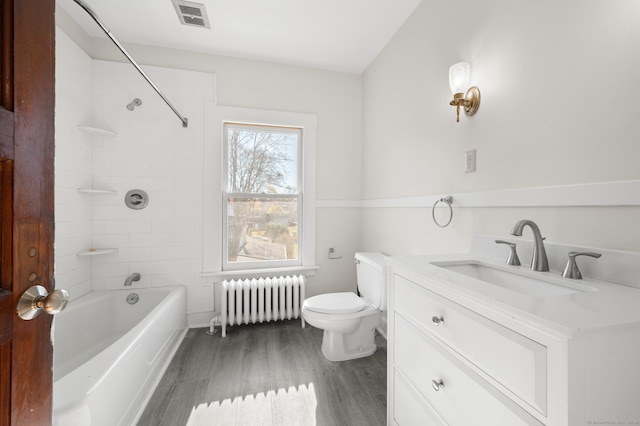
(447, 200)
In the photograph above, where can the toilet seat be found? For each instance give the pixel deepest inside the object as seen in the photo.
(335, 303)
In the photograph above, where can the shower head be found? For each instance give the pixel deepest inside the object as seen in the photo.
(134, 103)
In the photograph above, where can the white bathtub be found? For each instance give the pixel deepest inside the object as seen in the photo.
(109, 355)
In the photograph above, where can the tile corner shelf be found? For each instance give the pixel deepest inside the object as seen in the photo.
(95, 131)
(96, 191)
(97, 252)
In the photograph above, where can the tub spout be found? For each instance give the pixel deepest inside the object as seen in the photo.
(131, 278)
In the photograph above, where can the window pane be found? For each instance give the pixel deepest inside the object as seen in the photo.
(262, 159)
(262, 229)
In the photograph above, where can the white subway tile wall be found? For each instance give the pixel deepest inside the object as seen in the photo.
(73, 167)
(151, 151)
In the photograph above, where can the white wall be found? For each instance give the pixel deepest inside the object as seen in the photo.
(554, 78)
(164, 242)
(73, 166)
(555, 111)
(335, 97)
(152, 152)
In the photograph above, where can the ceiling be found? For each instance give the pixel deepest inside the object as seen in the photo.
(338, 35)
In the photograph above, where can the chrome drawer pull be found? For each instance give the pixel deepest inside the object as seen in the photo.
(437, 320)
(437, 385)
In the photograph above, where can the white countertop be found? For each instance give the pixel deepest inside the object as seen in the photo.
(604, 306)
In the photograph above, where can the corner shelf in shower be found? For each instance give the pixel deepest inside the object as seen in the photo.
(95, 131)
(96, 191)
(97, 252)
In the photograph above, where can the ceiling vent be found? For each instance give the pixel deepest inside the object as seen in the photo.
(191, 13)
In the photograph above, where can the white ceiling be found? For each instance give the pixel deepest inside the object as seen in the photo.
(339, 35)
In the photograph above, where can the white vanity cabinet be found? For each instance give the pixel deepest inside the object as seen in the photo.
(459, 357)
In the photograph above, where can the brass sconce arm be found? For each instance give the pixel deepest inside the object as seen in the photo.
(458, 99)
(470, 101)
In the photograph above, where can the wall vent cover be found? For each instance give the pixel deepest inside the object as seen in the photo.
(191, 13)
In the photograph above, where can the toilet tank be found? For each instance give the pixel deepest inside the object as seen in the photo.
(371, 274)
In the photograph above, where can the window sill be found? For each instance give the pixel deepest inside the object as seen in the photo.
(255, 273)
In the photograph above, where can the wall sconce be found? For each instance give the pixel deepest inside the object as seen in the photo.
(459, 82)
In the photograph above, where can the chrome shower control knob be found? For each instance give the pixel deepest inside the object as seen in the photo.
(136, 199)
(437, 320)
(36, 300)
(437, 384)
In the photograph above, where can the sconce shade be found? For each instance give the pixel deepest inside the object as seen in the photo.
(459, 77)
(464, 97)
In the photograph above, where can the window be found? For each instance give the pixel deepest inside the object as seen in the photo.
(293, 194)
(262, 196)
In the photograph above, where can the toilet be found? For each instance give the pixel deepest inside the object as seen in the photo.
(349, 321)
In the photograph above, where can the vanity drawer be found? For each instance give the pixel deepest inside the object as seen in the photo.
(463, 398)
(410, 409)
(517, 362)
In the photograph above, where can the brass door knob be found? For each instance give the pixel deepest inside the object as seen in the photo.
(36, 300)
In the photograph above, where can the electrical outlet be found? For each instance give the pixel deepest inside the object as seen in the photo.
(470, 161)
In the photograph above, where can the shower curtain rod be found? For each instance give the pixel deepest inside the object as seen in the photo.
(115, 41)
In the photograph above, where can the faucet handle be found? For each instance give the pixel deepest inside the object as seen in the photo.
(513, 255)
(571, 270)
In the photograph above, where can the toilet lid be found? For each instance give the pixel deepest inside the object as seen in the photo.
(335, 303)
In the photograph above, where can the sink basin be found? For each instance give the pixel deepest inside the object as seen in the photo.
(524, 282)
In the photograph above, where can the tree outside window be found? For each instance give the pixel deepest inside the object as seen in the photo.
(262, 194)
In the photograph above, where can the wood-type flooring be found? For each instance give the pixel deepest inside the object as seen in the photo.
(271, 374)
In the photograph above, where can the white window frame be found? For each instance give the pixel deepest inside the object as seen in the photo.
(231, 266)
(214, 223)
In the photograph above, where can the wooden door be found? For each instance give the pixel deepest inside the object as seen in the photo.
(27, 68)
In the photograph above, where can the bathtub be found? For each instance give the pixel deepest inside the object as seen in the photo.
(109, 355)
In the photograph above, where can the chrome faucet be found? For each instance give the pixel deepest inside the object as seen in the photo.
(131, 278)
(571, 270)
(539, 260)
(513, 254)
